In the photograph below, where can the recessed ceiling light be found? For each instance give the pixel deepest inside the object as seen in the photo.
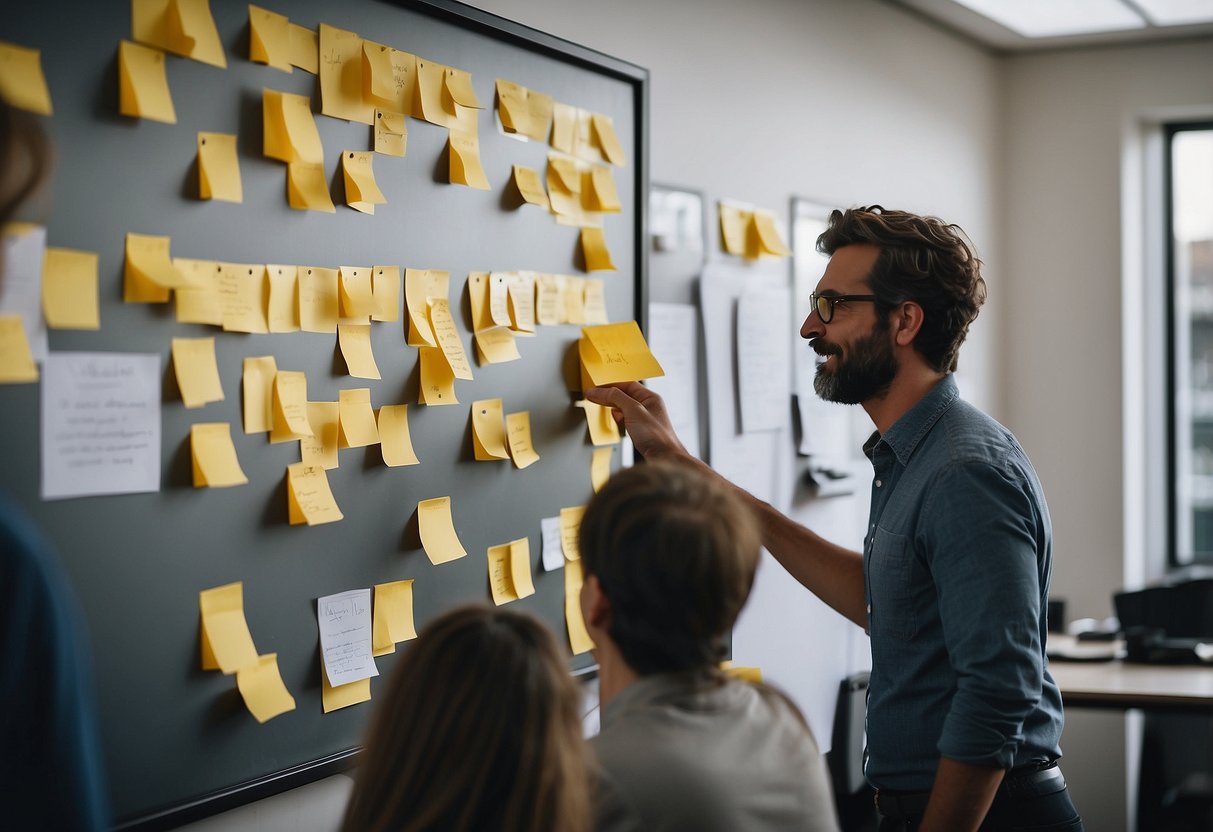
(1050, 18)
(1176, 12)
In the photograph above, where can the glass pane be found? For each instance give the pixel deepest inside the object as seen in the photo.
(1192, 239)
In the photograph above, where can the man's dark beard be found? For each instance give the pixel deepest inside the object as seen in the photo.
(865, 373)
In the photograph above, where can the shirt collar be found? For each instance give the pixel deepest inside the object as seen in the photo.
(905, 434)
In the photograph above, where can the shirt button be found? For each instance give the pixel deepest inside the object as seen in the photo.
(878, 483)
(869, 609)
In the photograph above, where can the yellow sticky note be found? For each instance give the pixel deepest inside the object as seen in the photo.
(617, 352)
(318, 299)
(22, 83)
(520, 567)
(769, 241)
(227, 644)
(478, 300)
(600, 467)
(16, 359)
(385, 293)
(594, 248)
(465, 167)
(570, 529)
(391, 133)
(309, 498)
(488, 430)
(307, 189)
(282, 310)
(431, 89)
(342, 696)
(355, 342)
(512, 107)
(356, 293)
(378, 79)
(69, 289)
(499, 298)
(594, 301)
(358, 428)
(539, 106)
(437, 530)
(573, 310)
(148, 272)
(258, 381)
(579, 637)
(183, 27)
(290, 133)
(143, 85)
(214, 456)
(510, 571)
(733, 223)
(197, 372)
(601, 194)
(448, 338)
(199, 302)
(603, 429)
(264, 693)
(459, 87)
(218, 169)
(406, 97)
(437, 380)
(242, 287)
(269, 38)
(528, 184)
(392, 617)
(361, 191)
(753, 675)
(549, 299)
(394, 439)
(496, 345)
(321, 447)
(604, 134)
(518, 429)
(341, 76)
(419, 286)
(290, 406)
(522, 303)
(305, 49)
(564, 125)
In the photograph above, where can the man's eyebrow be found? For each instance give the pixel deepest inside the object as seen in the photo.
(829, 293)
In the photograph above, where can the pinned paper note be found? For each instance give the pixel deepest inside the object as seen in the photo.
(269, 38)
(395, 442)
(613, 353)
(496, 345)
(227, 644)
(341, 76)
(573, 311)
(391, 133)
(321, 447)
(420, 285)
(318, 299)
(305, 49)
(570, 531)
(356, 294)
(218, 168)
(336, 698)
(601, 194)
(143, 85)
(385, 293)
(594, 302)
(22, 83)
(579, 638)
(261, 686)
(437, 530)
(242, 287)
(594, 249)
(69, 289)
(734, 222)
(602, 425)
(355, 342)
(510, 571)
(549, 299)
(437, 380)
(258, 382)
(393, 617)
(361, 191)
(768, 239)
(553, 554)
(564, 126)
(290, 407)
(488, 430)
(378, 79)
(459, 87)
(199, 302)
(540, 108)
(358, 427)
(148, 271)
(600, 467)
(183, 27)
(282, 311)
(499, 298)
(512, 107)
(214, 456)
(197, 371)
(307, 189)
(345, 636)
(607, 140)
(522, 302)
(518, 431)
(449, 339)
(289, 129)
(465, 167)
(16, 360)
(309, 498)
(431, 90)
(527, 181)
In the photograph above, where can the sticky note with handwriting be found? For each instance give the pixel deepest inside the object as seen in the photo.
(355, 342)
(309, 498)
(321, 447)
(617, 352)
(518, 429)
(290, 406)
(341, 76)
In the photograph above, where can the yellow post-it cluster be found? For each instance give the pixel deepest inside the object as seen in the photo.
(510, 571)
(227, 646)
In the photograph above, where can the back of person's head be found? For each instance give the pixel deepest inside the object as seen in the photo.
(25, 158)
(674, 552)
(922, 259)
(480, 729)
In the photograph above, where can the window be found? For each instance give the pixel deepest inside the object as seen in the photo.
(1189, 205)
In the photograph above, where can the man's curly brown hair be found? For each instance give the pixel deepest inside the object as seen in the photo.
(922, 259)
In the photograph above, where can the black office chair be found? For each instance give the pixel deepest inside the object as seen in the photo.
(852, 794)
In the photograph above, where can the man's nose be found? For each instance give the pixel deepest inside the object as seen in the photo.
(812, 326)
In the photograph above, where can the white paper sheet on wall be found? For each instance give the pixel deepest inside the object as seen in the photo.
(553, 554)
(345, 636)
(100, 424)
(21, 288)
(673, 335)
(764, 359)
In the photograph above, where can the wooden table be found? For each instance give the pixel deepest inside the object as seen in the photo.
(1124, 685)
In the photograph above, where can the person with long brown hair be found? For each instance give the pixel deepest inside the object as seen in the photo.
(480, 729)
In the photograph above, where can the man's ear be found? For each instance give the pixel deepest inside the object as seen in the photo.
(597, 607)
(907, 321)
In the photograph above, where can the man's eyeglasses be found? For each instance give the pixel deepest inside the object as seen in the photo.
(824, 304)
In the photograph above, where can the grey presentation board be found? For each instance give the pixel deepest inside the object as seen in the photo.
(178, 741)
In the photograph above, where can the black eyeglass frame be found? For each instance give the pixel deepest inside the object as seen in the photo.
(824, 304)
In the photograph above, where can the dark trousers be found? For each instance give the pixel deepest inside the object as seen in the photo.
(1038, 802)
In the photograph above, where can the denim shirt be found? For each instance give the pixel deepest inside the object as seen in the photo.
(957, 561)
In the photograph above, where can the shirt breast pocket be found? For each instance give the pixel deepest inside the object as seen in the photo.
(889, 574)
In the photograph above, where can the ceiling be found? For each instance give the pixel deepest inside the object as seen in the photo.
(1151, 21)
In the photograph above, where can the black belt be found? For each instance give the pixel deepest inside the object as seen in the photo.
(1032, 780)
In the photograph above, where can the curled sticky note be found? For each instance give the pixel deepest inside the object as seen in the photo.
(309, 498)
(227, 644)
(530, 187)
(269, 38)
(488, 430)
(358, 427)
(218, 168)
(307, 189)
(512, 107)
(518, 429)
(262, 689)
(183, 27)
(143, 85)
(612, 353)
(197, 371)
(392, 617)
(290, 133)
(258, 382)
(361, 191)
(22, 83)
(391, 133)
(394, 440)
(213, 455)
(437, 529)
(594, 248)
(465, 167)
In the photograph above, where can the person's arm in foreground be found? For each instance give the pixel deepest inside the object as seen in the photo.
(961, 797)
(832, 573)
